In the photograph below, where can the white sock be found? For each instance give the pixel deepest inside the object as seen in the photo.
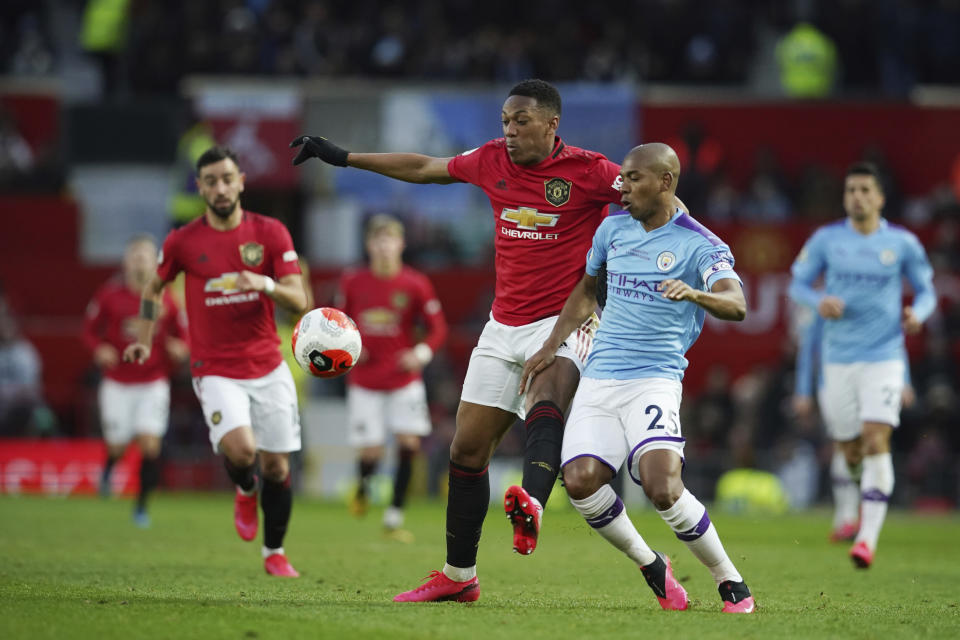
(689, 520)
(459, 574)
(875, 487)
(604, 511)
(267, 551)
(252, 491)
(846, 491)
(393, 517)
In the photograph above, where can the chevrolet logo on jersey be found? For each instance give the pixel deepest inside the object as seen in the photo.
(226, 283)
(529, 218)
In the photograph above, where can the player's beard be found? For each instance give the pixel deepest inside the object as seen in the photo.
(223, 211)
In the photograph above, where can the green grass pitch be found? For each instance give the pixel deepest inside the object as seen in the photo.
(78, 568)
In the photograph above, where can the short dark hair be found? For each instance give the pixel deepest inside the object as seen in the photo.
(543, 92)
(216, 154)
(865, 168)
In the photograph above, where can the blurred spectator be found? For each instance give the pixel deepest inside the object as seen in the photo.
(185, 201)
(702, 159)
(712, 413)
(22, 410)
(818, 192)
(765, 200)
(808, 62)
(722, 199)
(17, 159)
(32, 55)
(104, 36)
(885, 46)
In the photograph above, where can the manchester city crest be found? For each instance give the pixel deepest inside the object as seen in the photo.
(251, 253)
(665, 260)
(888, 257)
(557, 191)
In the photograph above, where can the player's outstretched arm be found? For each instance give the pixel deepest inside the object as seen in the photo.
(578, 307)
(724, 300)
(409, 167)
(150, 306)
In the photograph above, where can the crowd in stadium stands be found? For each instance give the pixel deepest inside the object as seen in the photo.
(883, 46)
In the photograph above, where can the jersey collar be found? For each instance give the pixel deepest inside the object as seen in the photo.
(848, 223)
(558, 147)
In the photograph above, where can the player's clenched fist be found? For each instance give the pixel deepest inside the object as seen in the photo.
(250, 281)
(678, 290)
(319, 147)
(136, 352)
(831, 307)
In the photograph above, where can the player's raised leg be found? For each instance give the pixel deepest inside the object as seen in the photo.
(549, 396)
(240, 460)
(479, 430)
(586, 479)
(276, 500)
(659, 472)
(876, 486)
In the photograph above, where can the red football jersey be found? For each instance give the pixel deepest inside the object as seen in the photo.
(112, 316)
(232, 333)
(546, 215)
(387, 311)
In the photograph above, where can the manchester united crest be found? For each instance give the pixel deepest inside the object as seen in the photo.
(557, 191)
(252, 254)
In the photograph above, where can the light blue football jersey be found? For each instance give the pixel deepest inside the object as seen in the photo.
(642, 334)
(866, 272)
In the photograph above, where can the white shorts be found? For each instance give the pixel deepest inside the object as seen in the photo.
(372, 412)
(493, 375)
(267, 404)
(860, 392)
(617, 420)
(128, 410)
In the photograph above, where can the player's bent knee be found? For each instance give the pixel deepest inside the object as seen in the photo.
(582, 481)
(472, 458)
(149, 446)
(275, 470)
(663, 495)
(408, 444)
(241, 456)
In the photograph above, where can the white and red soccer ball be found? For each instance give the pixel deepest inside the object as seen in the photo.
(326, 342)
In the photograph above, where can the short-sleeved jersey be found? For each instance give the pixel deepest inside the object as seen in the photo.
(387, 312)
(545, 216)
(866, 272)
(642, 334)
(232, 333)
(112, 318)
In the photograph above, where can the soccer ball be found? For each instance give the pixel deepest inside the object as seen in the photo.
(326, 342)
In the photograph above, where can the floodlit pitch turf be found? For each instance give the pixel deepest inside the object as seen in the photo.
(79, 569)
